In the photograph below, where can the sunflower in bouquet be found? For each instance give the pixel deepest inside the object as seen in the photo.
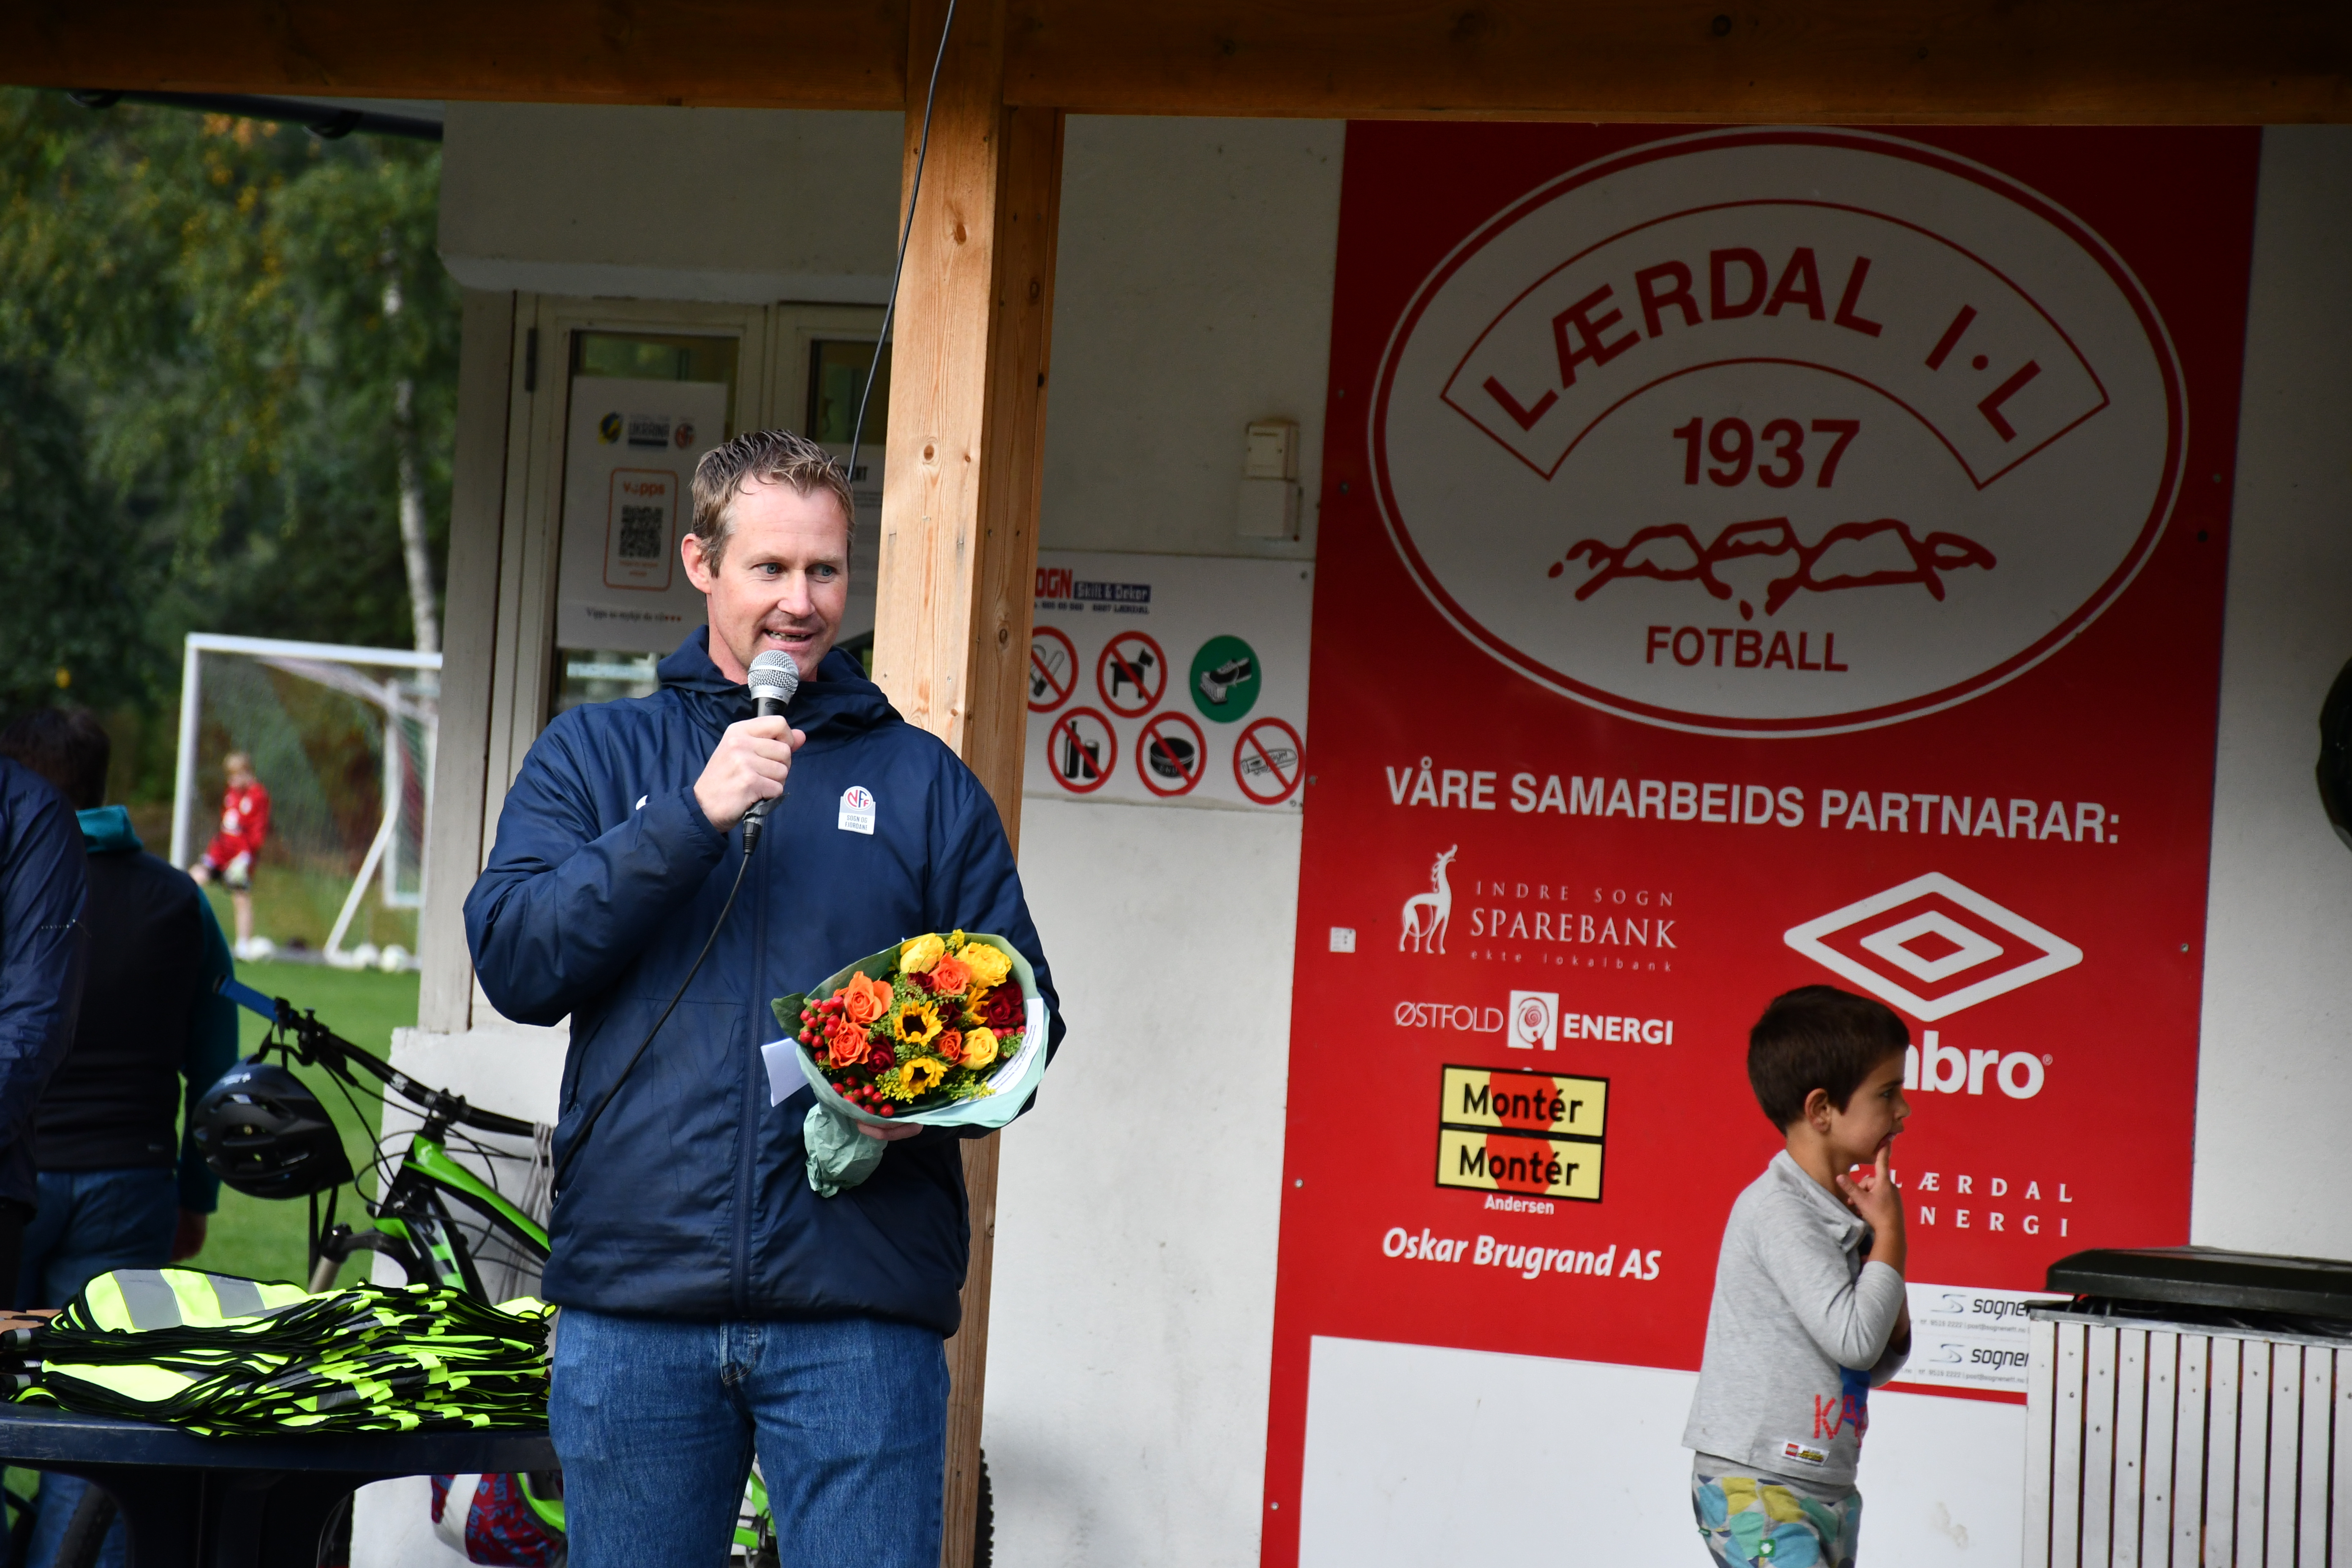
(943, 1031)
(920, 1028)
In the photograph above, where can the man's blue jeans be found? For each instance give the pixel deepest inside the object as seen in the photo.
(656, 1421)
(89, 1223)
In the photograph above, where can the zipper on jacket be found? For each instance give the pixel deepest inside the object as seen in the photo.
(749, 1119)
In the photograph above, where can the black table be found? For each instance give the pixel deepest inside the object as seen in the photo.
(227, 1502)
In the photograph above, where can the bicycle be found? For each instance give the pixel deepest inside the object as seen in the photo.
(417, 1228)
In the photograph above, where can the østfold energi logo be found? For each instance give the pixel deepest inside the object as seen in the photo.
(1932, 946)
(1777, 432)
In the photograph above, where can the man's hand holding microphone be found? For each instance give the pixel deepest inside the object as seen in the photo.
(755, 755)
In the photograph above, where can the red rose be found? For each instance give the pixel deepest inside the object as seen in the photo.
(1003, 1009)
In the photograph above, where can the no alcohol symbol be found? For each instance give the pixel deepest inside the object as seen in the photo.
(1081, 751)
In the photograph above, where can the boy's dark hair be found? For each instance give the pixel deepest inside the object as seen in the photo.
(1818, 1037)
(66, 746)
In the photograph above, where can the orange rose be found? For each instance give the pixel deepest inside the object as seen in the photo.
(950, 1045)
(845, 1042)
(949, 975)
(864, 1000)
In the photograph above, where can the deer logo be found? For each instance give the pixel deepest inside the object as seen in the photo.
(1438, 901)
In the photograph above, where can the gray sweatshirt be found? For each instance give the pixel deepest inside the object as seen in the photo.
(1797, 1336)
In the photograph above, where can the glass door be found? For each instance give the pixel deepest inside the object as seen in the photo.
(642, 406)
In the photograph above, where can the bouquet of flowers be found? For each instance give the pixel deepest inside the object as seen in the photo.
(937, 1030)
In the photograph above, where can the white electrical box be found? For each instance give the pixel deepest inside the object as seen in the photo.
(1272, 452)
(1268, 505)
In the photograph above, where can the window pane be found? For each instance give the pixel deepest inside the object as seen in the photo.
(654, 357)
(599, 675)
(837, 380)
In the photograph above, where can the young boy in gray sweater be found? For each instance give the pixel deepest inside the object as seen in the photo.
(1809, 1313)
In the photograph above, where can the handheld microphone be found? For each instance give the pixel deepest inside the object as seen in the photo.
(775, 678)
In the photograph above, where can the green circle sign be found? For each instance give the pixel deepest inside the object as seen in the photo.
(1226, 678)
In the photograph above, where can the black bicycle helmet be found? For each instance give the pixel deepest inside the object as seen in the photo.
(265, 1133)
(2335, 756)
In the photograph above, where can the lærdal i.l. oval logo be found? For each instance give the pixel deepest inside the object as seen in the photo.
(1777, 432)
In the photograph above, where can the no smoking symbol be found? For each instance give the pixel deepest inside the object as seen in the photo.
(1268, 761)
(1081, 751)
(1053, 670)
(1131, 673)
(1171, 754)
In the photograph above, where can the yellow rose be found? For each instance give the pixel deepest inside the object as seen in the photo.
(916, 956)
(989, 966)
(978, 1047)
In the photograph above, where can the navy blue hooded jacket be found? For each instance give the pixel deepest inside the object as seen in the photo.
(691, 1199)
(44, 885)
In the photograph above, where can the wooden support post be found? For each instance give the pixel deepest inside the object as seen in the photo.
(959, 513)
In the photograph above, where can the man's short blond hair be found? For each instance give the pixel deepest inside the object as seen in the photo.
(770, 456)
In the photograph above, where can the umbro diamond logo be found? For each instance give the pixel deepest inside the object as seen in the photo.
(1932, 946)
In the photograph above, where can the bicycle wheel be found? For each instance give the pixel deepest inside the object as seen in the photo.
(85, 1534)
(983, 1526)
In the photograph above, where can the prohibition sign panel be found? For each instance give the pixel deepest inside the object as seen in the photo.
(1171, 754)
(1268, 761)
(1053, 668)
(1081, 750)
(1131, 673)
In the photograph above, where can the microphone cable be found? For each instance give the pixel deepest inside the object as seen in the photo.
(555, 1183)
(751, 837)
(914, 196)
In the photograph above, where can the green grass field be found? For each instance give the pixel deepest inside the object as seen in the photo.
(265, 1240)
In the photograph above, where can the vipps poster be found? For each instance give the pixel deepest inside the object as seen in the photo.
(1752, 559)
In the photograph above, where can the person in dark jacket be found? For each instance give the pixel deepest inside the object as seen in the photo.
(152, 1036)
(713, 1303)
(43, 947)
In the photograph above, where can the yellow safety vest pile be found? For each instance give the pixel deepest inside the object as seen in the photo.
(226, 1356)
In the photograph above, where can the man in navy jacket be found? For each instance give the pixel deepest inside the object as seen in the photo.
(43, 884)
(712, 1301)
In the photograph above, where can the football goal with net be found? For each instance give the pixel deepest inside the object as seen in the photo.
(341, 740)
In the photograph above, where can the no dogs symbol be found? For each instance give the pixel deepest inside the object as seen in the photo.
(1081, 751)
(1131, 673)
(1171, 754)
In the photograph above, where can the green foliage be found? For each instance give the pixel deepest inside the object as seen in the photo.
(214, 315)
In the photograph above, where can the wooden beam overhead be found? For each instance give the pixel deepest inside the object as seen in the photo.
(1867, 61)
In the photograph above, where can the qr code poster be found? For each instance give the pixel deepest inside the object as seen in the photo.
(628, 472)
(1169, 680)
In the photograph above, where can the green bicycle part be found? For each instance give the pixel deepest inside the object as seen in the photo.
(434, 1161)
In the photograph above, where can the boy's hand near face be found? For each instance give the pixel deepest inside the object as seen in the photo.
(1870, 1193)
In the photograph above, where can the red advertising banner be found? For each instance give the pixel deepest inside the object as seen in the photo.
(1750, 559)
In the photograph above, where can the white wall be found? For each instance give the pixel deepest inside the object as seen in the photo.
(1133, 1310)
(742, 206)
(1191, 295)
(2274, 1090)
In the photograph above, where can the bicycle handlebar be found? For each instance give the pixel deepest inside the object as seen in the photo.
(316, 1042)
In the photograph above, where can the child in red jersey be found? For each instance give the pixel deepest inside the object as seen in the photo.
(244, 827)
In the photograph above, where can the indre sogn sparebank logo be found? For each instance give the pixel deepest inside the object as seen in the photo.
(1777, 432)
(1932, 946)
